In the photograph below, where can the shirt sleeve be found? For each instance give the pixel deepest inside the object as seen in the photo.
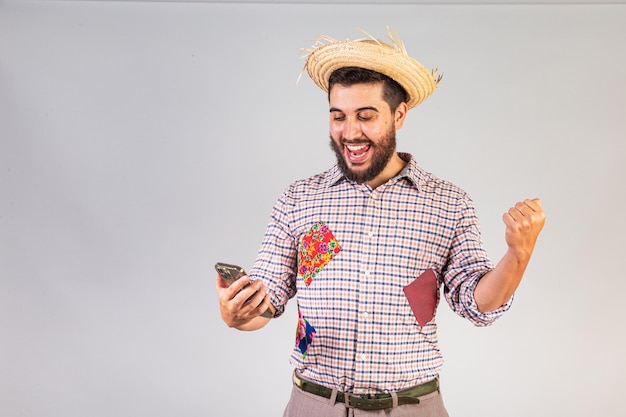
(277, 257)
(467, 264)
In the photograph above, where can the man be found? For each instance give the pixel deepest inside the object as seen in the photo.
(367, 245)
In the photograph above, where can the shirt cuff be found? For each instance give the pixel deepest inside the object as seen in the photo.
(477, 317)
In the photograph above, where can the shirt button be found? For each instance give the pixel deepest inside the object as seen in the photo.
(365, 314)
(367, 274)
(370, 234)
(362, 356)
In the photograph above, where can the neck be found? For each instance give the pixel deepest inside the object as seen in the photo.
(393, 168)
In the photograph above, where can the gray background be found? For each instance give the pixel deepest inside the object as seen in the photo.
(141, 142)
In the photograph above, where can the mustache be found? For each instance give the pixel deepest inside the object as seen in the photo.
(363, 141)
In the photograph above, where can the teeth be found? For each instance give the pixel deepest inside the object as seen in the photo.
(355, 148)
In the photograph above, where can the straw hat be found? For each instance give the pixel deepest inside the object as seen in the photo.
(329, 54)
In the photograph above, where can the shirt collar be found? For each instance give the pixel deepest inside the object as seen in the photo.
(411, 171)
(334, 176)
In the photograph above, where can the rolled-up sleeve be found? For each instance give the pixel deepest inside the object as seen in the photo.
(467, 264)
(277, 257)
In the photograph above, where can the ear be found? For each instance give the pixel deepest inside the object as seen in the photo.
(400, 115)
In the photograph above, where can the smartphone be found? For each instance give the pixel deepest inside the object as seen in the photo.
(231, 273)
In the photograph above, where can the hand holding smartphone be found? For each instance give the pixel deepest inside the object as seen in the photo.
(231, 273)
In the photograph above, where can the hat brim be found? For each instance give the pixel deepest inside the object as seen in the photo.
(374, 55)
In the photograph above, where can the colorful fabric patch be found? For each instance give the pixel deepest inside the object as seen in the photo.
(317, 248)
(304, 334)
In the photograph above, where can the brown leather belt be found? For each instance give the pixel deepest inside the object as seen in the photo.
(368, 401)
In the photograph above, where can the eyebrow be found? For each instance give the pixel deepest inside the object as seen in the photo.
(335, 109)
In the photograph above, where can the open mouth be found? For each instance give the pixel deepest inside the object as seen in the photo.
(357, 153)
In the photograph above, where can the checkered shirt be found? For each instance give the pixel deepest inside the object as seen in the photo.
(367, 339)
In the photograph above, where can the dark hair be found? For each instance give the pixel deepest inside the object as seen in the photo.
(393, 93)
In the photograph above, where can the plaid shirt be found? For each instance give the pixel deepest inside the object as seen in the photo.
(366, 338)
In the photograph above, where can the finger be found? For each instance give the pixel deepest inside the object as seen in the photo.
(240, 283)
(265, 305)
(220, 283)
(516, 213)
(267, 301)
(534, 204)
(531, 211)
(526, 208)
(248, 293)
(258, 296)
(507, 218)
(252, 301)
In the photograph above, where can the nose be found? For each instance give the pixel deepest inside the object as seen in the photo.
(352, 129)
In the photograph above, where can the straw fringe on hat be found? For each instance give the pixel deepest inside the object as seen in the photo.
(328, 54)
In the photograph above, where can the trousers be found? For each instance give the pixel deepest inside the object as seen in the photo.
(305, 404)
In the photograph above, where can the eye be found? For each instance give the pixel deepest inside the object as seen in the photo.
(366, 115)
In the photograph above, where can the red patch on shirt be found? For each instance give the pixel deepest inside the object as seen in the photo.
(317, 247)
(422, 296)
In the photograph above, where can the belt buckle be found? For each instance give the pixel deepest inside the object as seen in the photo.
(366, 402)
(352, 400)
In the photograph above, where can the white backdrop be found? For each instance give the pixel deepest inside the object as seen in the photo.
(141, 142)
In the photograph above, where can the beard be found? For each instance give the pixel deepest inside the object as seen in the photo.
(381, 154)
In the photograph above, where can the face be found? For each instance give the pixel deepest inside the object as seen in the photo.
(363, 130)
